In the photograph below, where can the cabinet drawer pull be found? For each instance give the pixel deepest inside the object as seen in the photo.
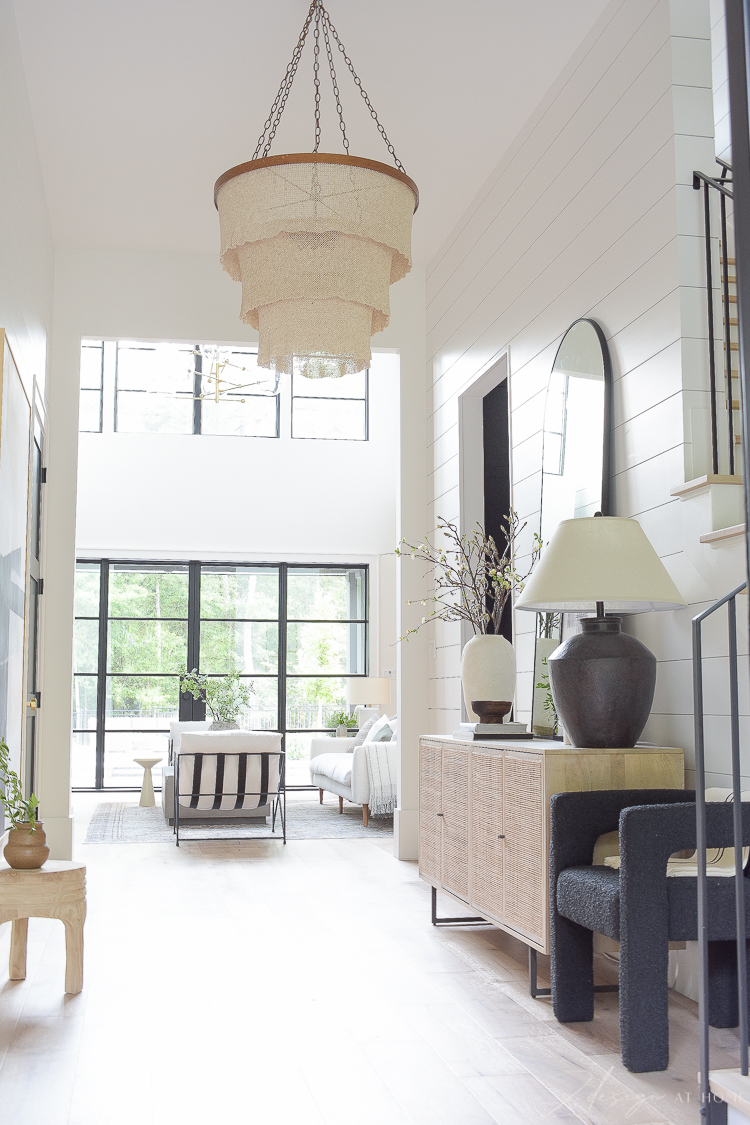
(439, 814)
(501, 837)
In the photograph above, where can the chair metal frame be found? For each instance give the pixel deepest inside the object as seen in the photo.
(278, 804)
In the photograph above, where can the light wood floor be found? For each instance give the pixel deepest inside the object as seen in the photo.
(304, 984)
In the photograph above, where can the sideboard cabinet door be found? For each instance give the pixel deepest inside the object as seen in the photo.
(455, 818)
(487, 843)
(525, 867)
(430, 805)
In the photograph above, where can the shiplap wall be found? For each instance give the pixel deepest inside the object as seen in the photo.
(592, 213)
(720, 80)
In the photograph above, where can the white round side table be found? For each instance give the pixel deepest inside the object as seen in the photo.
(147, 800)
(57, 890)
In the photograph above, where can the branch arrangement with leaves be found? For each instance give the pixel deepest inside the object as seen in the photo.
(224, 696)
(17, 808)
(473, 578)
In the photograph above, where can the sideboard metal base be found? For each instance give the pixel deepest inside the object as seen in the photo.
(471, 920)
(535, 990)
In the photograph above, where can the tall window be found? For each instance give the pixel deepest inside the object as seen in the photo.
(295, 634)
(165, 388)
(141, 386)
(92, 382)
(155, 388)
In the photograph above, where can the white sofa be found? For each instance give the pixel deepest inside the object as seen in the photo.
(337, 768)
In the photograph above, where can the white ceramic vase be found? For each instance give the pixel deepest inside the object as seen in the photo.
(488, 670)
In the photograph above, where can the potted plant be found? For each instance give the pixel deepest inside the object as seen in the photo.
(474, 581)
(224, 696)
(342, 722)
(26, 849)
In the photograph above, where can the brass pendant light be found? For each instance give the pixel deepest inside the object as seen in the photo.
(315, 238)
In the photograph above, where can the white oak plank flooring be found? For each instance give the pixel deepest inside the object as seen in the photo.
(305, 984)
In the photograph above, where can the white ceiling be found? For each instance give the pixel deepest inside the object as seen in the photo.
(139, 105)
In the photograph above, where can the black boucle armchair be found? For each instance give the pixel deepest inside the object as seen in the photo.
(639, 907)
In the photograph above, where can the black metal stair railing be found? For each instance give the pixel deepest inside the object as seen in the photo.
(737, 14)
(721, 186)
(713, 1110)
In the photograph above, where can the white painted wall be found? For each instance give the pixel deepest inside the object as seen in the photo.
(722, 124)
(26, 262)
(26, 313)
(254, 497)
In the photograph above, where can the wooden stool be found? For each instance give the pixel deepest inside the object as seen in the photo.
(57, 890)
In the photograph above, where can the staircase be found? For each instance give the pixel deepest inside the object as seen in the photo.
(730, 341)
(725, 395)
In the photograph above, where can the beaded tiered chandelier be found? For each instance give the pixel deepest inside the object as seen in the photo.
(315, 238)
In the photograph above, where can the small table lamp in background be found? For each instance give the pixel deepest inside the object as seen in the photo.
(368, 690)
(602, 680)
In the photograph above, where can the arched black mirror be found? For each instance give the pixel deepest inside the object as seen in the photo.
(575, 469)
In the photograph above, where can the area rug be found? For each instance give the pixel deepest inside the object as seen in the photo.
(120, 823)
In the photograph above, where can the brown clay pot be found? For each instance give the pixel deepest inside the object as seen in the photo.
(26, 850)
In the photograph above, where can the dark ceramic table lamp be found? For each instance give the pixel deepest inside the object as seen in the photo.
(602, 679)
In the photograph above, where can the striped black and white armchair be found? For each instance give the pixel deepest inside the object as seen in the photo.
(235, 771)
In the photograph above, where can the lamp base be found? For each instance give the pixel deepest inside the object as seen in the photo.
(364, 713)
(602, 682)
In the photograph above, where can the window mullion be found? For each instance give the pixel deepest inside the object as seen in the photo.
(101, 685)
(282, 646)
(197, 387)
(193, 710)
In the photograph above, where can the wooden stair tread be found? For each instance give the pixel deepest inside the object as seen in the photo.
(724, 533)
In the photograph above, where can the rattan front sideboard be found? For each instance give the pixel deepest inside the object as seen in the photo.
(484, 816)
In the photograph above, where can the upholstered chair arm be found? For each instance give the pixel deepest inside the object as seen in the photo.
(360, 776)
(329, 746)
(649, 836)
(577, 820)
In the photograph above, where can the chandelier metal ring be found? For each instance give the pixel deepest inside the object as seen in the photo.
(315, 158)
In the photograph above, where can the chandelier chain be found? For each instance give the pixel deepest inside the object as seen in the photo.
(316, 77)
(283, 91)
(363, 92)
(269, 129)
(336, 94)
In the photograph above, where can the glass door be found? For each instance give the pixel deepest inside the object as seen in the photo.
(325, 643)
(295, 634)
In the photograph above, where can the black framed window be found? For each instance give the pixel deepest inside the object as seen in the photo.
(331, 409)
(166, 388)
(92, 384)
(295, 633)
(240, 412)
(154, 388)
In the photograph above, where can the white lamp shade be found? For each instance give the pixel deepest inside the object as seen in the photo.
(599, 559)
(369, 689)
